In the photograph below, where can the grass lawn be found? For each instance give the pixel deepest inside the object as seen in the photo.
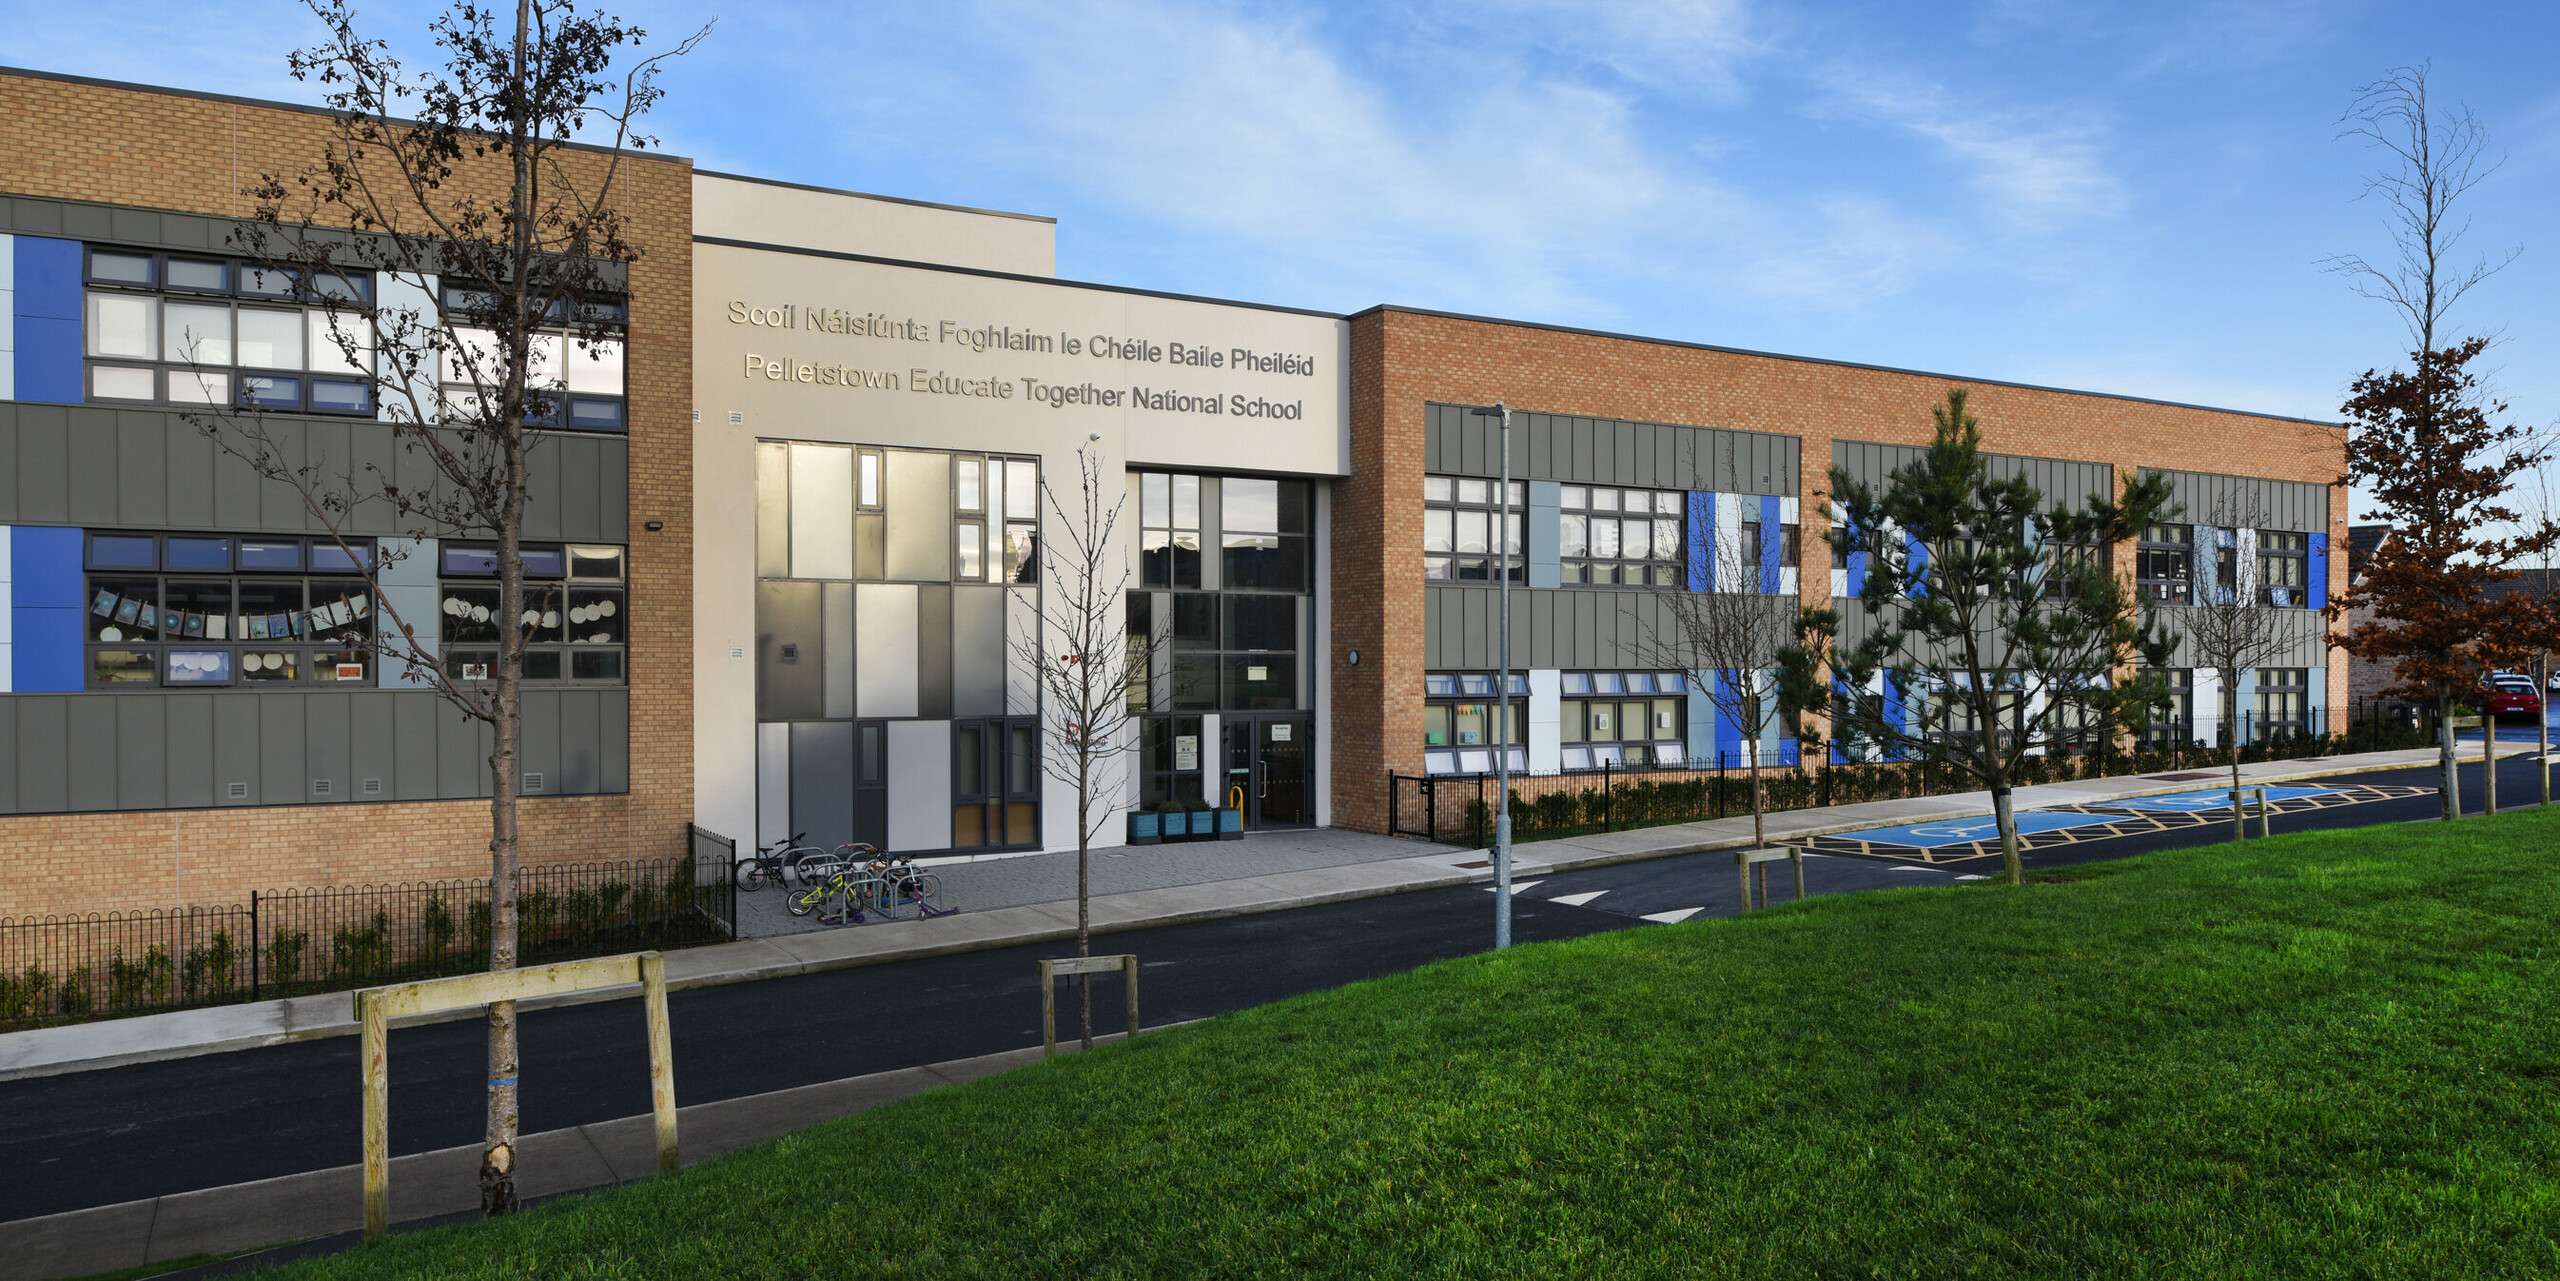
(2325, 1055)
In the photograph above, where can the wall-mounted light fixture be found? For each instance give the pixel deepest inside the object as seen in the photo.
(654, 526)
(1355, 658)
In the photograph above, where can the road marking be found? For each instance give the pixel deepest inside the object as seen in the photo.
(1971, 877)
(1576, 900)
(1675, 916)
(1906, 867)
(1517, 887)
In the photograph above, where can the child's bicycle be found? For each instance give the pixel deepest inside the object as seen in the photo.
(844, 882)
(898, 886)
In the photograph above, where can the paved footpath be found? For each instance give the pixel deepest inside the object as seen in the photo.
(1192, 882)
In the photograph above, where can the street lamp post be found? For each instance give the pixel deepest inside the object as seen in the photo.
(1502, 697)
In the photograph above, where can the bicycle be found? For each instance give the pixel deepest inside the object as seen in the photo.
(770, 864)
(900, 885)
(843, 882)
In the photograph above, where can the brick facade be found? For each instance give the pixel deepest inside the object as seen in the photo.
(167, 150)
(1403, 360)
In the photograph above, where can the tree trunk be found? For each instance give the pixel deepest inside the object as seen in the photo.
(2239, 817)
(2542, 699)
(2449, 780)
(2488, 757)
(1084, 880)
(1759, 834)
(2008, 820)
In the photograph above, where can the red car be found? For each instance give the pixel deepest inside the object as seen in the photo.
(2513, 696)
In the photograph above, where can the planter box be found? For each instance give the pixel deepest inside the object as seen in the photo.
(1204, 825)
(1231, 825)
(1146, 829)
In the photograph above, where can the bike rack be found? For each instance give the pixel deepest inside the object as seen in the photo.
(1052, 971)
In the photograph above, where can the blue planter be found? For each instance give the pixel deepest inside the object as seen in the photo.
(1204, 825)
(1146, 829)
(1231, 825)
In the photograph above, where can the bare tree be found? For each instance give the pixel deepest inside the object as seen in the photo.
(463, 249)
(2231, 629)
(1080, 661)
(1726, 641)
(2423, 441)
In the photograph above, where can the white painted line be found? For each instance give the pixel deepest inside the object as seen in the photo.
(1906, 867)
(1517, 887)
(1971, 877)
(1576, 900)
(1675, 916)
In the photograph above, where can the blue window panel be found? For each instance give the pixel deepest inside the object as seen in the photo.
(45, 312)
(1546, 565)
(1702, 728)
(2319, 571)
(1702, 541)
(1918, 552)
(1857, 573)
(1790, 753)
(44, 609)
(46, 651)
(1769, 546)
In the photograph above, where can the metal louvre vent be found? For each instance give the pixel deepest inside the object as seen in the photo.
(533, 782)
(238, 791)
(373, 787)
(320, 787)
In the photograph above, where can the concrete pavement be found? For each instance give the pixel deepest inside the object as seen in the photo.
(115, 1042)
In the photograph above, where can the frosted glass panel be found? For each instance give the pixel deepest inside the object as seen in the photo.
(821, 511)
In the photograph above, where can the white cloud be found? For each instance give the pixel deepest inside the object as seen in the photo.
(2036, 176)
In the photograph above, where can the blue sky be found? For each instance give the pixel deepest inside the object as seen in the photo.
(2121, 197)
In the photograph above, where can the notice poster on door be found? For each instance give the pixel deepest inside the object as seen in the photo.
(1280, 733)
(1186, 751)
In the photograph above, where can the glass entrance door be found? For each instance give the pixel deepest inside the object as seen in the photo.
(1267, 770)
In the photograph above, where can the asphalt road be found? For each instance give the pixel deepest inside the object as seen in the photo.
(118, 1135)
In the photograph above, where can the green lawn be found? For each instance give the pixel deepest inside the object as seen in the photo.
(2322, 1055)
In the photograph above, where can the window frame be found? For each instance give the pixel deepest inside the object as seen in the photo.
(1663, 507)
(1444, 498)
(309, 377)
(559, 655)
(2153, 554)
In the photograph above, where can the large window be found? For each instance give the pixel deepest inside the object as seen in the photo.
(1629, 537)
(579, 383)
(995, 784)
(189, 330)
(1459, 517)
(2165, 564)
(206, 611)
(2177, 726)
(1238, 652)
(1462, 719)
(2284, 568)
(1264, 526)
(2283, 700)
(1168, 530)
(1624, 719)
(575, 620)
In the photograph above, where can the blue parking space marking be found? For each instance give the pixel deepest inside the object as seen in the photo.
(2198, 802)
(1966, 831)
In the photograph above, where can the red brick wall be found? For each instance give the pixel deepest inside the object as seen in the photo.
(1403, 360)
(174, 151)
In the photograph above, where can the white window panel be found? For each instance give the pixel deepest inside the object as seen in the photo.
(597, 367)
(270, 339)
(821, 511)
(124, 326)
(327, 356)
(472, 358)
(543, 364)
(196, 333)
(110, 382)
(199, 387)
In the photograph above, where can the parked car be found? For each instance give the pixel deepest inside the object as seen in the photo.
(2511, 695)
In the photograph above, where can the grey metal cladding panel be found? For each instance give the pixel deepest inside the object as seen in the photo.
(822, 781)
(1586, 629)
(134, 226)
(191, 471)
(279, 506)
(1666, 457)
(1468, 451)
(1542, 630)
(236, 750)
(34, 216)
(44, 464)
(581, 742)
(538, 748)
(371, 455)
(373, 745)
(544, 467)
(8, 766)
(461, 763)
(43, 767)
(1433, 629)
(613, 741)
(90, 748)
(977, 651)
(1640, 453)
(613, 491)
(94, 449)
(1477, 626)
(415, 749)
(142, 751)
(238, 496)
(283, 758)
(1431, 432)
(582, 489)
(325, 451)
(142, 469)
(326, 755)
(933, 651)
(88, 222)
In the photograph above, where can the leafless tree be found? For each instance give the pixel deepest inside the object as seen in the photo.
(463, 250)
(1079, 656)
(1726, 642)
(2231, 629)
(2437, 157)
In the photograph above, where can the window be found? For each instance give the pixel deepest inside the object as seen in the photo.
(1459, 516)
(1238, 652)
(175, 329)
(1169, 757)
(577, 382)
(995, 784)
(1169, 530)
(1624, 720)
(2165, 564)
(2175, 727)
(1461, 716)
(982, 548)
(202, 610)
(1263, 525)
(575, 614)
(1630, 537)
(2284, 568)
(2283, 700)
